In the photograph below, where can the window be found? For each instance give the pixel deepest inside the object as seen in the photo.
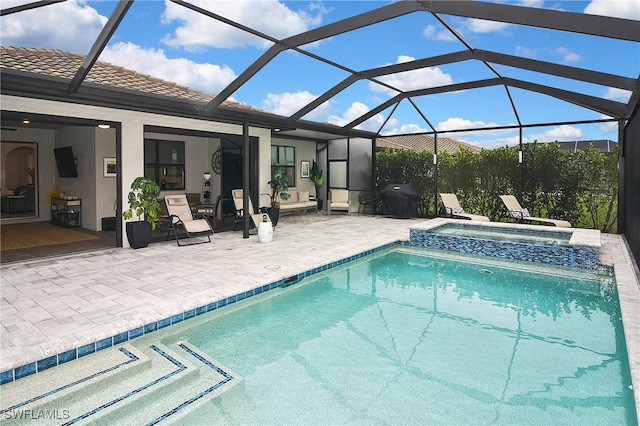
(164, 163)
(285, 156)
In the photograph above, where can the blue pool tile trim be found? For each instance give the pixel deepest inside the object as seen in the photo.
(130, 359)
(584, 257)
(70, 355)
(179, 368)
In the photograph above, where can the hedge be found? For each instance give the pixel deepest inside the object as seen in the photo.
(581, 188)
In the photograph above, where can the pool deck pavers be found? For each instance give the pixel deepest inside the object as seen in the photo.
(52, 305)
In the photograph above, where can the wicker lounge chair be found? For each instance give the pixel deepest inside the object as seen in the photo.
(181, 217)
(522, 214)
(452, 208)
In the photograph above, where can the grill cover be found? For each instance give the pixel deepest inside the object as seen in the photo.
(399, 200)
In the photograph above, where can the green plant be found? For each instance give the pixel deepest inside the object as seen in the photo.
(279, 182)
(315, 174)
(143, 200)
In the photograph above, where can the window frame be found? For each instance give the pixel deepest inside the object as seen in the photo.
(158, 171)
(289, 165)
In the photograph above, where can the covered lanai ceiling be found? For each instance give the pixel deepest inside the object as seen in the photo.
(366, 68)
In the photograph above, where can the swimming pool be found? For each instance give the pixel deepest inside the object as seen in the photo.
(405, 336)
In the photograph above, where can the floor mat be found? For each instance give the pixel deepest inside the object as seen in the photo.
(25, 235)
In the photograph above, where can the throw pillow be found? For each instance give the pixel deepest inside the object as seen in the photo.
(303, 195)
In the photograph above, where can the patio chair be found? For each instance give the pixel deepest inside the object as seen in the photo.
(367, 198)
(522, 214)
(255, 216)
(181, 217)
(339, 200)
(453, 208)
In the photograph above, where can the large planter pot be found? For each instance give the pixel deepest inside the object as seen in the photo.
(320, 204)
(274, 214)
(139, 234)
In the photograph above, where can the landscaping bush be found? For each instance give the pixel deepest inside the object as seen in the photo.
(581, 188)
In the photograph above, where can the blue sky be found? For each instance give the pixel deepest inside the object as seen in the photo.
(173, 43)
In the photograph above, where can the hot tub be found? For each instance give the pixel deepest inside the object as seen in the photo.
(560, 246)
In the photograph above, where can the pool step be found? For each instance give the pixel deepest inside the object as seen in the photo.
(158, 378)
(35, 398)
(174, 400)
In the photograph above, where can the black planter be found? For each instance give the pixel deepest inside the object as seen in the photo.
(274, 214)
(139, 234)
(320, 204)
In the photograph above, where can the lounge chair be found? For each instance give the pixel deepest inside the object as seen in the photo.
(339, 200)
(453, 208)
(516, 210)
(180, 217)
(256, 217)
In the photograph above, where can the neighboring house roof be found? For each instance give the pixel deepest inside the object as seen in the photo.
(604, 145)
(64, 64)
(423, 142)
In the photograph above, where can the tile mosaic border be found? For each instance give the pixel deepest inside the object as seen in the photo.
(17, 373)
(571, 254)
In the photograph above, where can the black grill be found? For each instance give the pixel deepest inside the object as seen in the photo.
(399, 200)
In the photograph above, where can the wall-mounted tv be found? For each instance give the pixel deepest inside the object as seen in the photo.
(66, 162)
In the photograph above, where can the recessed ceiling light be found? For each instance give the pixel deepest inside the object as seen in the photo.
(104, 126)
(26, 121)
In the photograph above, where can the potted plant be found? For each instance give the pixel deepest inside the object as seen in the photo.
(279, 183)
(143, 201)
(315, 174)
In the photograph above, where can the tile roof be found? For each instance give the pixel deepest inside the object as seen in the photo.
(62, 64)
(423, 142)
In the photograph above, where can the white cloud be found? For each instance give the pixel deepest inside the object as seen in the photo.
(286, 104)
(412, 80)
(567, 55)
(431, 32)
(205, 77)
(617, 94)
(270, 17)
(391, 128)
(457, 123)
(559, 133)
(356, 110)
(629, 9)
(526, 52)
(480, 26)
(610, 128)
(71, 26)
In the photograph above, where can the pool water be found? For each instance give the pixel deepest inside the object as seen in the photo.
(408, 338)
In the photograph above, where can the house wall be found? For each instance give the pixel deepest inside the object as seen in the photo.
(82, 141)
(97, 195)
(305, 151)
(106, 187)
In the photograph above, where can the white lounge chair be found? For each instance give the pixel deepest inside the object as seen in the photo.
(181, 217)
(256, 217)
(522, 214)
(453, 208)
